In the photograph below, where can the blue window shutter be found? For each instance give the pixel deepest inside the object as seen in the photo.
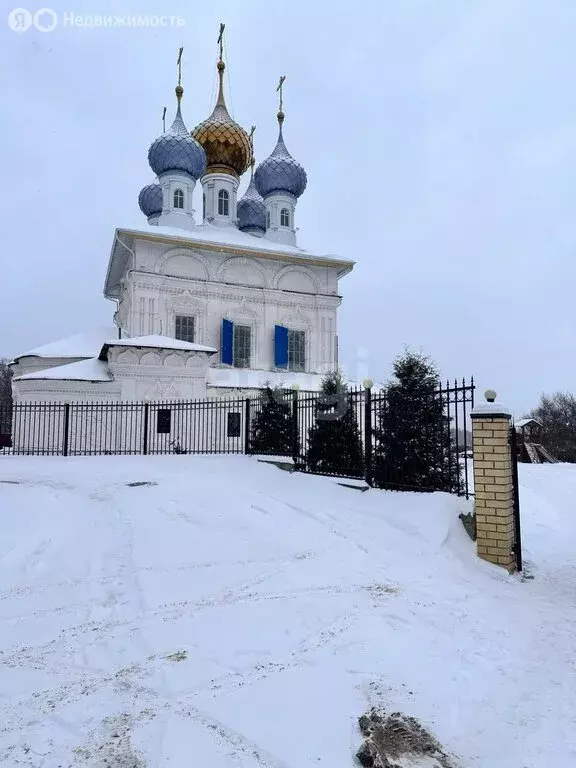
(227, 350)
(280, 346)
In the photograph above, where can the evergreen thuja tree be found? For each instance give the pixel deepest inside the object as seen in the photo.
(413, 449)
(334, 441)
(272, 430)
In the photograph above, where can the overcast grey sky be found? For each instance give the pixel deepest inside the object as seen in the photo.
(439, 137)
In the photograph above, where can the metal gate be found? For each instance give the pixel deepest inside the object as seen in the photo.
(516, 499)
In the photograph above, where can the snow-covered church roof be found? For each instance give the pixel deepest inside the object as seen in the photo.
(95, 368)
(86, 344)
(227, 239)
(155, 342)
(84, 370)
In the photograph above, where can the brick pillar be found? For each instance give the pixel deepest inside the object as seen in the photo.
(494, 506)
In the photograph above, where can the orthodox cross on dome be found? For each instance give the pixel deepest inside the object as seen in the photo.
(179, 62)
(251, 139)
(179, 89)
(164, 121)
(221, 67)
(220, 40)
(279, 90)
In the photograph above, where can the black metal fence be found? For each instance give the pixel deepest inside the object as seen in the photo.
(417, 442)
(420, 441)
(90, 428)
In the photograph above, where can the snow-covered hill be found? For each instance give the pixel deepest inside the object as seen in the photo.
(230, 614)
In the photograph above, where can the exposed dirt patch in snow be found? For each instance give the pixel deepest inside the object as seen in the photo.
(397, 741)
(469, 523)
(112, 747)
(178, 656)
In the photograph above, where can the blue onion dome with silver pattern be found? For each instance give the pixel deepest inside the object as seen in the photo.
(251, 208)
(280, 172)
(176, 150)
(150, 200)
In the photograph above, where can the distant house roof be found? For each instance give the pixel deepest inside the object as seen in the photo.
(523, 422)
(86, 344)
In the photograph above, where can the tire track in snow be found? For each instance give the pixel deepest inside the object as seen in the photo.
(240, 744)
(129, 680)
(42, 657)
(326, 520)
(28, 590)
(170, 611)
(296, 658)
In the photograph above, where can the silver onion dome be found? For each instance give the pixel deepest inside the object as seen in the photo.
(251, 209)
(280, 172)
(176, 150)
(150, 199)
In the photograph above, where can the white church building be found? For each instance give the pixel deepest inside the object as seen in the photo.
(220, 306)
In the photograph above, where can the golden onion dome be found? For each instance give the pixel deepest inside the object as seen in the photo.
(226, 144)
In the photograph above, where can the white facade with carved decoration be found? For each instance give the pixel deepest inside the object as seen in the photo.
(169, 280)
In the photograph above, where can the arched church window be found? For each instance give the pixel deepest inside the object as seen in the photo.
(284, 217)
(178, 199)
(267, 219)
(223, 203)
(203, 206)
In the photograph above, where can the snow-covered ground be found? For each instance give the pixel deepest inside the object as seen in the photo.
(231, 614)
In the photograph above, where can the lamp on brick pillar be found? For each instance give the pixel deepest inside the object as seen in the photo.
(493, 482)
